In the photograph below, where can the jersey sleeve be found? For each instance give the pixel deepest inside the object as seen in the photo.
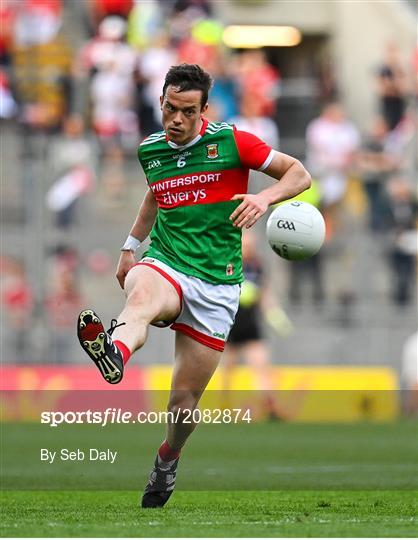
(253, 152)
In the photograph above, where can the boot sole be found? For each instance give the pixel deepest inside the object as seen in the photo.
(95, 348)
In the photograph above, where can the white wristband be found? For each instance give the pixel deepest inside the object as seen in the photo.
(131, 244)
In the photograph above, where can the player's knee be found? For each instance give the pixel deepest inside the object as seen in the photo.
(181, 410)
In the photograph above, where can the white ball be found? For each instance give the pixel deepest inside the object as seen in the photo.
(295, 230)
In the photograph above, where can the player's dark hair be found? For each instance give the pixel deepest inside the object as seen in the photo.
(189, 77)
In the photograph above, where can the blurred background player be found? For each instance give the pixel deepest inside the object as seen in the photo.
(331, 141)
(375, 162)
(246, 338)
(409, 374)
(392, 85)
(403, 239)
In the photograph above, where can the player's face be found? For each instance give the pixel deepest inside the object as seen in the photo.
(182, 114)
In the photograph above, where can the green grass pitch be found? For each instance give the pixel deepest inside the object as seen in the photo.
(213, 514)
(264, 480)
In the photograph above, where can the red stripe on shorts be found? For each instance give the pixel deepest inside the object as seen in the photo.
(200, 337)
(167, 277)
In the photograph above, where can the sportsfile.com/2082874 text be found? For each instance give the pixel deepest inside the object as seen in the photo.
(113, 415)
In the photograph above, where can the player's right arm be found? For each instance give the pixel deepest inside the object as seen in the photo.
(292, 178)
(140, 230)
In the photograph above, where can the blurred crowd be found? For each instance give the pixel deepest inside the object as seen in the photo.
(96, 100)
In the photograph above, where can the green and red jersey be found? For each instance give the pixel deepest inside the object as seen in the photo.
(193, 185)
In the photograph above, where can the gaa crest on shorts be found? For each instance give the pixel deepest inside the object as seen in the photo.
(212, 151)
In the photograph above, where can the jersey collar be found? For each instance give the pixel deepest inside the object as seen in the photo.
(193, 141)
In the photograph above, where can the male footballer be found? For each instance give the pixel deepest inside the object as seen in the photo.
(189, 277)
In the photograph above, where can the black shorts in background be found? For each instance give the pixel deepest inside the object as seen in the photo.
(247, 326)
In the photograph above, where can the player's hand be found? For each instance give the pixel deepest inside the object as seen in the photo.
(249, 211)
(126, 262)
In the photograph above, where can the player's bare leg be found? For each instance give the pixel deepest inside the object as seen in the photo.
(150, 297)
(230, 360)
(194, 366)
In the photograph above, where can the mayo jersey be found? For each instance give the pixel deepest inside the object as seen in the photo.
(193, 185)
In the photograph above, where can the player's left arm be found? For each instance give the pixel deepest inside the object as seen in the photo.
(292, 178)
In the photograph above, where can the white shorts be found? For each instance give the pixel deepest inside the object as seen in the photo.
(207, 310)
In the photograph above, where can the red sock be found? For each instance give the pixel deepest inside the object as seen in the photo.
(166, 453)
(125, 352)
